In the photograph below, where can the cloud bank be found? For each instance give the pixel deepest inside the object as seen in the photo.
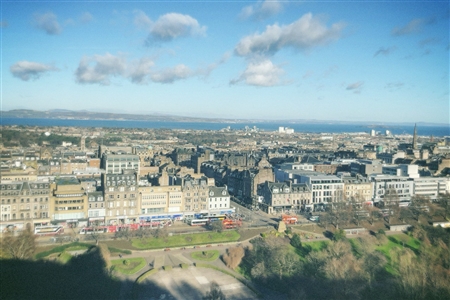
(100, 69)
(27, 70)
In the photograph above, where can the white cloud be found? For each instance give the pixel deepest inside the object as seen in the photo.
(99, 69)
(260, 73)
(141, 20)
(27, 70)
(169, 75)
(261, 10)
(140, 70)
(305, 33)
(47, 22)
(174, 25)
(86, 17)
(355, 87)
(414, 26)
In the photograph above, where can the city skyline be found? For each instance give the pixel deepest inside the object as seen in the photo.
(358, 61)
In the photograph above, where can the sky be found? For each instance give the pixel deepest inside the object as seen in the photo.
(374, 61)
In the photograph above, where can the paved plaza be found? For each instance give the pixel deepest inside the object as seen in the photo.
(191, 283)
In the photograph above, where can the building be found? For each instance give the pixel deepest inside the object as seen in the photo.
(411, 171)
(278, 197)
(218, 199)
(366, 167)
(68, 202)
(121, 196)
(115, 163)
(24, 203)
(161, 200)
(357, 189)
(195, 194)
(96, 208)
(397, 188)
(431, 187)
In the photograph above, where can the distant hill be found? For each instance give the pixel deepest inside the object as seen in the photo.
(88, 115)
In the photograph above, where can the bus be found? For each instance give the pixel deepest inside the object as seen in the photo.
(48, 230)
(90, 230)
(198, 222)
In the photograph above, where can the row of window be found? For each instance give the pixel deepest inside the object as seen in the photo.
(8, 201)
(6, 217)
(69, 208)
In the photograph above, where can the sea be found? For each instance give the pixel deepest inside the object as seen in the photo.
(313, 127)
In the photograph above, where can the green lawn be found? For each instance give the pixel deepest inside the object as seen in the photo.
(62, 248)
(397, 241)
(134, 265)
(208, 255)
(64, 257)
(186, 240)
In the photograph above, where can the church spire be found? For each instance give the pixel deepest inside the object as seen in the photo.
(414, 143)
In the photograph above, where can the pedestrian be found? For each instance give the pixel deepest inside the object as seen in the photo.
(120, 255)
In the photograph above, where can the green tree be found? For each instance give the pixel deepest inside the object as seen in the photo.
(339, 235)
(216, 226)
(215, 293)
(295, 241)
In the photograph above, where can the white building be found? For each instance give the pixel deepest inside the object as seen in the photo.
(431, 187)
(218, 198)
(382, 183)
(411, 171)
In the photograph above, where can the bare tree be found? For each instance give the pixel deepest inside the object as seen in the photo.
(391, 201)
(21, 246)
(233, 257)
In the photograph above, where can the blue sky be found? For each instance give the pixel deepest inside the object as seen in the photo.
(322, 60)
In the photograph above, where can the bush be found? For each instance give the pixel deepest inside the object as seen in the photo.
(296, 242)
(126, 262)
(233, 257)
(339, 235)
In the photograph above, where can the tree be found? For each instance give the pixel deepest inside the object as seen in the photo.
(21, 246)
(339, 235)
(233, 257)
(417, 207)
(443, 201)
(391, 200)
(96, 234)
(295, 241)
(215, 293)
(217, 226)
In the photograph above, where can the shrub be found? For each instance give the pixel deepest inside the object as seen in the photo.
(296, 242)
(233, 257)
(126, 262)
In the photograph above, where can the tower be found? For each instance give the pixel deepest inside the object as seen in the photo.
(414, 143)
(83, 143)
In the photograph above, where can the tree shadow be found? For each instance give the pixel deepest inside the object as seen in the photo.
(84, 277)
